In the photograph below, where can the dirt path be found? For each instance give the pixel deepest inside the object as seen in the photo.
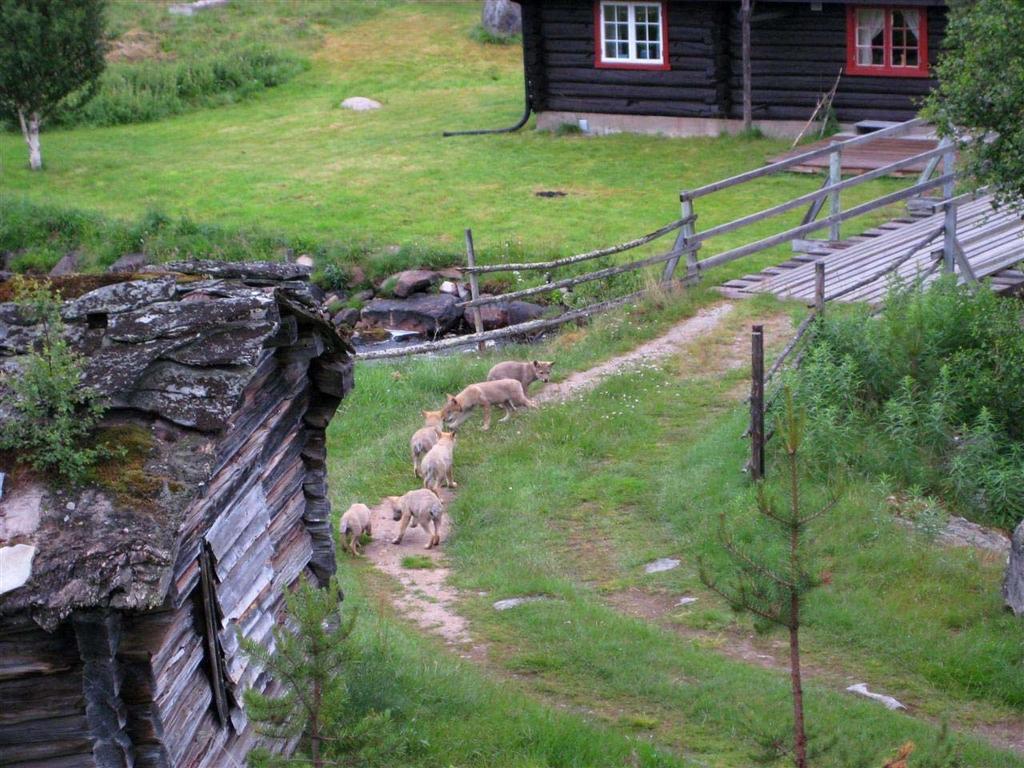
(425, 597)
(657, 349)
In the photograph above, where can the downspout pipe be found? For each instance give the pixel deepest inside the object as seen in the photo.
(510, 129)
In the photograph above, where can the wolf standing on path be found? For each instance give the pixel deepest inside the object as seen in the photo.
(504, 393)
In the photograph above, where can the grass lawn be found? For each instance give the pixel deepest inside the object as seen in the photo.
(290, 161)
(570, 502)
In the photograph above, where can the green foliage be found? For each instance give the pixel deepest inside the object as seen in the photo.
(48, 413)
(923, 393)
(52, 49)
(480, 34)
(149, 90)
(980, 96)
(313, 662)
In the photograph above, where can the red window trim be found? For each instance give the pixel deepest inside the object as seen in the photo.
(599, 62)
(886, 70)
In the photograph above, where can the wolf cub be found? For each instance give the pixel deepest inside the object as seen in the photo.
(436, 467)
(422, 505)
(425, 438)
(504, 393)
(524, 373)
(354, 523)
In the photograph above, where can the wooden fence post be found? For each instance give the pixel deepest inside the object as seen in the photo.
(474, 288)
(748, 110)
(949, 222)
(835, 176)
(949, 238)
(685, 233)
(819, 287)
(757, 402)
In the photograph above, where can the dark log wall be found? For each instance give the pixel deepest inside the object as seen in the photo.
(562, 64)
(110, 689)
(43, 717)
(796, 55)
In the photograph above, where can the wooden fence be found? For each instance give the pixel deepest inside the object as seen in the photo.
(689, 242)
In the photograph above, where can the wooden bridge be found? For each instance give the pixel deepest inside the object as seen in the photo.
(860, 268)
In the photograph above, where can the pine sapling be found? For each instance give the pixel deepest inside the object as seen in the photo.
(773, 591)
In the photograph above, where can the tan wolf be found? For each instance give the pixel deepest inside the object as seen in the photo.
(354, 523)
(425, 438)
(425, 506)
(524, 373)
(504, 393)
(436, 466)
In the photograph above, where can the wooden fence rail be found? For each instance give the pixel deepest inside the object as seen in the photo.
(689, 241)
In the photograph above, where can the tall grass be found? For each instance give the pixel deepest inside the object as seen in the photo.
(152, 90)
(928, 393)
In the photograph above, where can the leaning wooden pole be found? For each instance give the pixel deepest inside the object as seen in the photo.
(757, 402)
(819, 287)
(748, 102)
(474, 288)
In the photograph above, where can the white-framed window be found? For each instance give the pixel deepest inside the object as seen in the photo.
(630, 33)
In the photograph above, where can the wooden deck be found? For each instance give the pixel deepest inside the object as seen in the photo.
(865, 157)
(993, 242)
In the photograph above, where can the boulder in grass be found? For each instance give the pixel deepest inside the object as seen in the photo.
(506, 313)
(1013, 581)
(426, 314)
(412, 281)
(502, 18)
(67, 265)
(348, 317)
(130, 262)
(360, 104)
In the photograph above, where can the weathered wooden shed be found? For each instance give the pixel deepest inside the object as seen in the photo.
(675, 66)
(121, 600)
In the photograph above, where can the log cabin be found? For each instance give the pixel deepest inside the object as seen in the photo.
(675, 66)
(122, 600)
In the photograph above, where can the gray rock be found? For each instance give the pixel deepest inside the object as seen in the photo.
(412, 281)
(360, 104)
(506, 313)
(305, 260)
(512, 602)
(67, 265)
(201, 398)
(449, 286)
(861, 689)
(253, 272)
(130, 262)
(365, 295)
(15, 566)
(119, 297)
(960, 532)
(502, 17)
(168, 319)
(430, 315)
(1013, 581)
(347, 317)
(661, 564)
(190, 9)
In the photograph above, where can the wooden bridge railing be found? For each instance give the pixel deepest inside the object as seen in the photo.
(689, 242)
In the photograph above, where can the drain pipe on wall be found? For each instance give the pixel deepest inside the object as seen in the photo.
(510, 129)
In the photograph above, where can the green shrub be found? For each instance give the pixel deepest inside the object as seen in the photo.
(152, 90)
(47, 413)
(927, 392)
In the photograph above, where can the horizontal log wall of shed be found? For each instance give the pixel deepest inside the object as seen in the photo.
(43, 673)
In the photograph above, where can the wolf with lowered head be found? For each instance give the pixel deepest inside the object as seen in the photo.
(503, 393)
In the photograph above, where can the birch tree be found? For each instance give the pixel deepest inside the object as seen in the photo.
(50, 50)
